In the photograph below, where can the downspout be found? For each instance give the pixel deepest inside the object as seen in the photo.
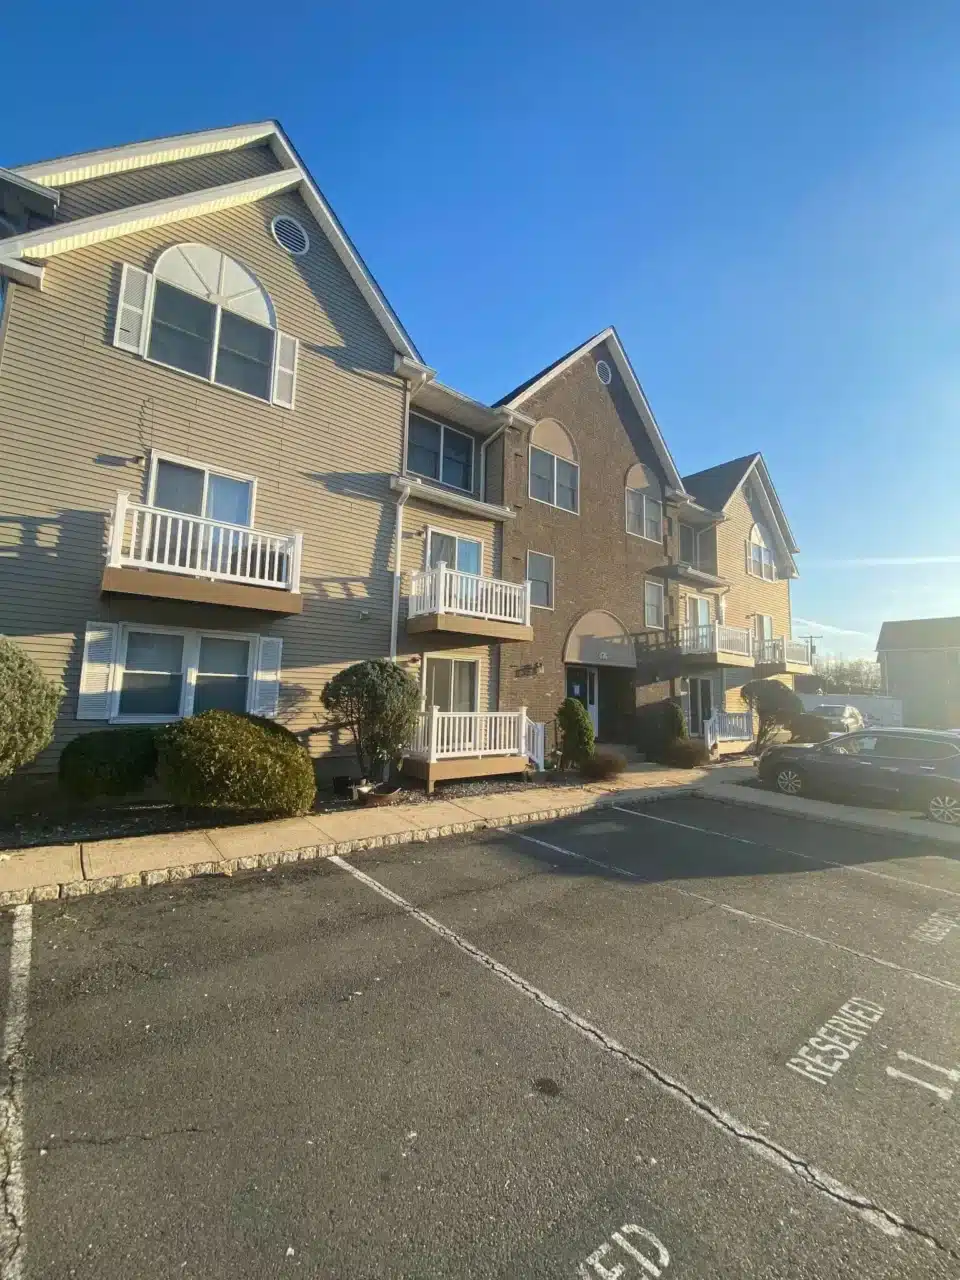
(402, 497)
(483, 457)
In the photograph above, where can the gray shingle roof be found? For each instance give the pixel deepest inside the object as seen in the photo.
(712, 488)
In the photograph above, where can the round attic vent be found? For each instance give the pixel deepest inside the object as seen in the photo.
(290, 235)
(604, 372)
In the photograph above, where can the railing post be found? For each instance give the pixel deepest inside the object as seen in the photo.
(441, 586)
(432, 724)
(115, 551)
(522, 727)
(526, 603)
(295, 561)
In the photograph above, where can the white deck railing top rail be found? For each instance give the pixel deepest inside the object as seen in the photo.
(144, 537)
(783, 650)
(443, 590)
(446, 735)
(716, 637)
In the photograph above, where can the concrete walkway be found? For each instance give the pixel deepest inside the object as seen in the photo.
(67, 871)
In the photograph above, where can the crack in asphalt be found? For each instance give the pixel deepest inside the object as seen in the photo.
(114, 1139)
(885, 1220)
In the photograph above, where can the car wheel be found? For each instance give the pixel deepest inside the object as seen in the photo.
(945, 807)
(789, 781)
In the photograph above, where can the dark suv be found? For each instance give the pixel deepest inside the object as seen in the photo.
(898, 768)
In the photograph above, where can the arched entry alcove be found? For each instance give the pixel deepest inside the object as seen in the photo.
(600, 662)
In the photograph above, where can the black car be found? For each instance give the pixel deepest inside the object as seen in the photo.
(897, 768)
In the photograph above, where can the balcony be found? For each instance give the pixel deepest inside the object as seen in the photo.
(447, 600)
(173, 556)
(681, 649)
(468, 744)
(784, 657)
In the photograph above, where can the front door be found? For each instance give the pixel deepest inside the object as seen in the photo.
(701, 705)
(582, 685)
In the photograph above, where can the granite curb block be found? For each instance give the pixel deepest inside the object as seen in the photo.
(825, 811)
(313, 852)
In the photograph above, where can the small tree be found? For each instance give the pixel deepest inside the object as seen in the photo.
(29, 703)
(576, 733)
(379, 703)
(774, 705)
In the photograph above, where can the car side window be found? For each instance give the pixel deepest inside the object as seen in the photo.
(924, 749)
(858, 744)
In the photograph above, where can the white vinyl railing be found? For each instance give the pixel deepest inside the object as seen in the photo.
(443, 590)
(784, 650)
(716, 637)
(145, 537)
(445, 735)
(536, 744)
(728, 726)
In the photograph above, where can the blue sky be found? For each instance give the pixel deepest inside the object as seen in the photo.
(764, 199)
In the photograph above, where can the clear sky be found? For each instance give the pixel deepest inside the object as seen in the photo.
(763, 198)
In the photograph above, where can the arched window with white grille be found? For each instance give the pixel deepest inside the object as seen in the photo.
(204, 313)
(761, 561)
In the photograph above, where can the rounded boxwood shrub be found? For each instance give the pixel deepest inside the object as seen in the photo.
(219, 760)
(686, 753)
(603, 764)
(658, 725)
(575, 732)
(109, 762)
(29, 703)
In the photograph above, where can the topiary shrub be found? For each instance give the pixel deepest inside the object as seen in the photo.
(658, 724)
(775, 707)
(271, 726)
(603, 764)
(379, 703)
(575, 733)
(809, 728)
(219, 760)
(686, 753)
(109, 762)
(29, 703)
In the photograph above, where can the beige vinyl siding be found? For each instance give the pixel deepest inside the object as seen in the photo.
(417, 518)
(138, 186)
(79, 418)
(749, 595)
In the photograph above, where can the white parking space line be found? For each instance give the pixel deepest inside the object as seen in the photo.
(736, 911)
(759, 1144)
(12, 1204)
(807, 857)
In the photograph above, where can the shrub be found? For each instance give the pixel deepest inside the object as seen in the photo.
(109, 762)
(809, 728)
(775, 706)
(603, 764)
(29, 703)
(271, 726)
(658, 724)
(219, 760)
(575, 732)
(686, 753)
(379, 703)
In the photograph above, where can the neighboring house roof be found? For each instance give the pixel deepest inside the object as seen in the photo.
(22, 256)
(515, 398)
(920, 633)
(714, 487)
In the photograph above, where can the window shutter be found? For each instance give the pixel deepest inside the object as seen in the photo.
(284, 370)
(130, 329)
(266, 689)
(96, 674)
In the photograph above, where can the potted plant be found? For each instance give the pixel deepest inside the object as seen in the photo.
(379, 703)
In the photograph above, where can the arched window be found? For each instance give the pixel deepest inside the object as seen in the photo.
(760, 558)
(644, 498)
(202, 312)
(554, 469)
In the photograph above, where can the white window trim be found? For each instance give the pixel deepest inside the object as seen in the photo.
(555, 456)
(157, 456)
(626, 516)
(459, 537)
(695, 595)
(415, 413)
(758, 630)
(652, 626)
(188, 671)
(199, 377)
(695, 562)
(547, 608)
(756, 540)
(449, 657)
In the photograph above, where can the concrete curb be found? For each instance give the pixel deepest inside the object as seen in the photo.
(824, 811)
(314, 852)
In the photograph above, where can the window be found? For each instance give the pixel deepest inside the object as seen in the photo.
(554, 480)
(199, 491)
(763, 626)
(440, 453)
(151, 682)
(688, 545)
(644, 508)
(201, 312)
(907, 748)
(450, 684)
(540, 576)
(857, 744)
(760, 559)
(223, 675)
(163, 674)
(698, 611)
(653, 604)
(464, 554)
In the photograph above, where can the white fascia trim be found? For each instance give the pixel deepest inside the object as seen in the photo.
(141, 155)
(50, 241)
(445, 498)
(22, 273)
(609, 335)
(772, 509)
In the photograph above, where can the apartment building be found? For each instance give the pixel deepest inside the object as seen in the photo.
(920, 664)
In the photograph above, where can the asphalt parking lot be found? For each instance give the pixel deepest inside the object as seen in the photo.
(684, 1040)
